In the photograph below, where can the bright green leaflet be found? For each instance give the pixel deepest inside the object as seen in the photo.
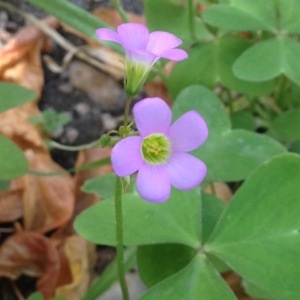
(198, 280)
(230, 155)
(268, 59)
(210, 64)
(259, 231)
(176, 221)
(12, 95)
(13, 163)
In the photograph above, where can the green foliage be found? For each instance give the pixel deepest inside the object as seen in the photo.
(50, 120)
(211, 63)
(254, 234)
(230, 155)
(159, 261)
(198, 280)
(275, 55)
(156, 12)
(181, 215)
(269, 59)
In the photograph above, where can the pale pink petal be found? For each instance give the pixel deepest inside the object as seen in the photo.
(174, 54)
(186, 171)
(152, 115)
(153, 183)
(108, 35)
(126, 157)
(142, 57)
(188, 132)
(160, 41)
(133, 35)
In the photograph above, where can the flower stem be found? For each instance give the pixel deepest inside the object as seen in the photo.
(118, 6)
(126, 111)
(119, 238)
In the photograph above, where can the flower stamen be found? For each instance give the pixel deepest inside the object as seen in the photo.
(156, 149)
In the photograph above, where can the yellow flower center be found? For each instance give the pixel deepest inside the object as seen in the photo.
(156, 149)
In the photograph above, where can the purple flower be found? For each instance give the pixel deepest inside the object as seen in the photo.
(142, 50)
(159, 154)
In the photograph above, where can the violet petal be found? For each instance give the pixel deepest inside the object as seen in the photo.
(186, 171)
(108, 35)
(133, 35)
(174, 54)
(152, 115)
(153, 183)
(126, 156)
(160, 41)
(188, 132)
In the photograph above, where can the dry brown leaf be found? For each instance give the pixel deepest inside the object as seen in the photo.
(48, 202)
(20, 60)
(219, 189)
(20, 63)
(78, 252)
(11, 206)
(15, 125)
(157, 88)
(34, 255)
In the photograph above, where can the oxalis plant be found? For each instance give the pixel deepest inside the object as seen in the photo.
(238, 75)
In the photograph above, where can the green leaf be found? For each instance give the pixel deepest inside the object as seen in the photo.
(240, 15)
(165, 15)
(176, 221)
(259, 231)
(239, 18)
(268, 59)
(289, 15)
(210, 64)
(230, 155)
(73, 16)
(198, 280)
(287, 126)
(12, 95)
(157, 262)
(13, 163)
(104, 186)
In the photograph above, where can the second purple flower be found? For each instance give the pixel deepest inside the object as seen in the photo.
(142, 50)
